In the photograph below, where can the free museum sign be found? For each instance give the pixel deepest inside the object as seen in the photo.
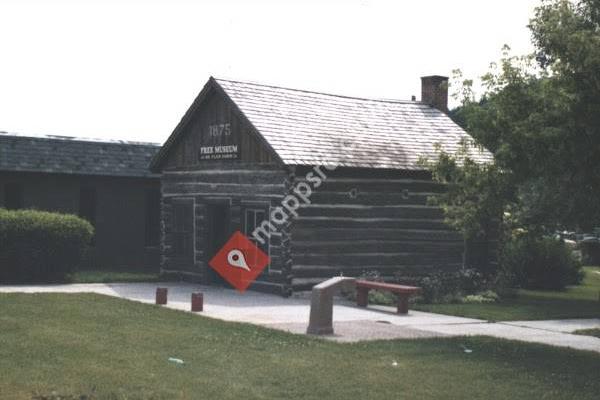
(218, 143)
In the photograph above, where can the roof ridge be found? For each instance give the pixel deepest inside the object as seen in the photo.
(320, 93)
(77, 139)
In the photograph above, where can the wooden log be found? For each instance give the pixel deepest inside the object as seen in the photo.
(377, 259)
(380, 186)
(375, 234)
(326, 271)
(238, 177)
(359, 223)
(369, 211)
(219, 189)
(331, 246)
(374, 198)
(370, 173)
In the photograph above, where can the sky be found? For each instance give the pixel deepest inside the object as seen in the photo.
(130, 69)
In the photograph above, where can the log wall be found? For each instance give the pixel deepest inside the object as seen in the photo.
(372, 220)
(356, 223)
(239, 186)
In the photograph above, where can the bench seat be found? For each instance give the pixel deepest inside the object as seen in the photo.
(403, 292)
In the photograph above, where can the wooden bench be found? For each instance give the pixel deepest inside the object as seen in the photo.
(403, 293)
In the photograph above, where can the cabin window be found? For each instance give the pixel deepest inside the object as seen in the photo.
(88, 204)
(253, 217)
(152, 231)
(13, 196)
(182, 232)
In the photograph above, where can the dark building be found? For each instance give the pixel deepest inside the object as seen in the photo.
(106, 182)
(244, 151)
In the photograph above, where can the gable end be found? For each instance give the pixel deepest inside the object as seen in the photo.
(213, 129)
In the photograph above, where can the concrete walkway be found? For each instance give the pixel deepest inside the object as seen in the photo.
(351, 323)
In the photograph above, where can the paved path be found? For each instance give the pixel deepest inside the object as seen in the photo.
(351, 323)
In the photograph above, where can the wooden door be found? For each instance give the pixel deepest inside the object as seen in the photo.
(218, 234)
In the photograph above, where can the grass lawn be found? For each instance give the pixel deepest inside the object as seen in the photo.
(103, 276)
(575, 302)
(588, 332)
(116, 349)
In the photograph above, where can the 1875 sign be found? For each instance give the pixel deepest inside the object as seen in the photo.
(218, 143)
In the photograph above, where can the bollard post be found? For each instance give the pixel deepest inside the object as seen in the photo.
(161, 296)
(197, 302)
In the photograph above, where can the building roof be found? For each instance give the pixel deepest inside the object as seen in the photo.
(69, 155)
(310, 128)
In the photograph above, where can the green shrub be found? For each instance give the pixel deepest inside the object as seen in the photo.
(487, 296)
(449, 287)
(375, 296)
(382, 297)
(437, 287)
(588, 332)
(37, 246)
(540, 263)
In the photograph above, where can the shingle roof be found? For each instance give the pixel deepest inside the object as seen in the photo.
(62, 154)
(309, 128)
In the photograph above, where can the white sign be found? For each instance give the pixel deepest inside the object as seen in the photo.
(218, 143)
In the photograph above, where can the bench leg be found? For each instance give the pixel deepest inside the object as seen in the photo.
(402, 304)
(362, 297)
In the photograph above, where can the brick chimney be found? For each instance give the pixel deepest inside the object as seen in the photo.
(434, 91)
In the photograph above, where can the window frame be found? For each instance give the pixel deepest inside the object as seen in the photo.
(258, 208)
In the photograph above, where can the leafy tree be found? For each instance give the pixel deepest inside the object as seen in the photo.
(567, 39)
(540, 116)
(475, 200)
(476, 195)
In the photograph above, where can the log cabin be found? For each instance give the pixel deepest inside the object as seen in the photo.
(106, 182)
(326, 185)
